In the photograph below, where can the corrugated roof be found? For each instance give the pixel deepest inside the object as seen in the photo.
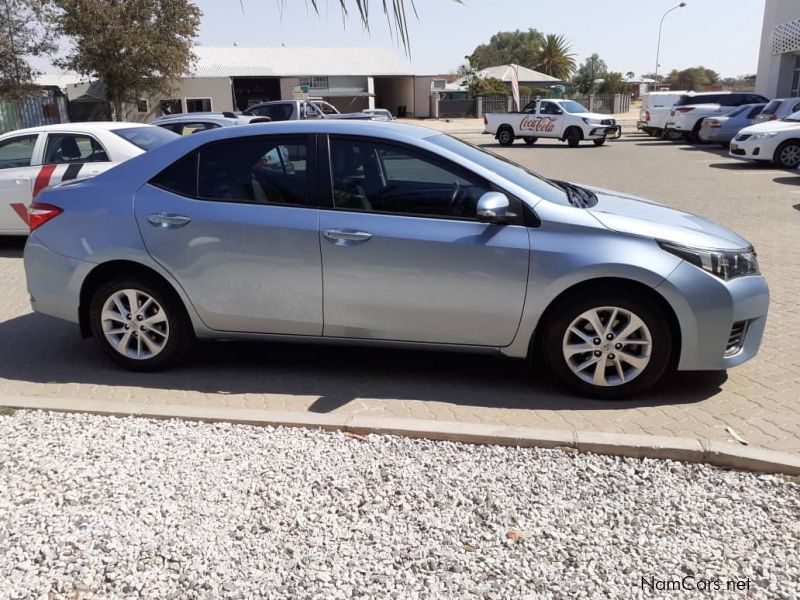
(524, 74)
(292, 61)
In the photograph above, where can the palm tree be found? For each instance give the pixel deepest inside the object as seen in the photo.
(630, 75)
(556, 57)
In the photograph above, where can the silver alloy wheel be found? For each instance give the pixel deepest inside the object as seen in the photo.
(790, 156)
(607, 346)
(135, 324)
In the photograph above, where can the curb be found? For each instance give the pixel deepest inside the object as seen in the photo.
(694, 450)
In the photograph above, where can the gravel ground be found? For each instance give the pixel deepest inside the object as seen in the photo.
(124, 507)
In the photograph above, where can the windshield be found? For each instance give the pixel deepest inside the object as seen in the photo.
(528, 180)
(771, 108)
(146, 138)
(573, 107)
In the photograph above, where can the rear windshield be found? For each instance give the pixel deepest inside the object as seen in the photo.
(521, 176)
(771, 108)
(146, 138)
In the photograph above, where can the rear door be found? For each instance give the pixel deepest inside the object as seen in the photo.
(405, 257)
(236, 223)
(19, 168)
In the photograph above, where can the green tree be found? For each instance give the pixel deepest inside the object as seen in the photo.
(592, 69)
(694, 78)
(509, 47)
(132, 46)
(22, 36)
(613, 83)
(556, 58)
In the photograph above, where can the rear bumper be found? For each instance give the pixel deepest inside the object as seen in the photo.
(709, 310)
(53, 280)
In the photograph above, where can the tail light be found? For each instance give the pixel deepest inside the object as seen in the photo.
(685, 109)
(647, 116)
(485, 120)
(773, 118)
(40, 213)
(713, 124)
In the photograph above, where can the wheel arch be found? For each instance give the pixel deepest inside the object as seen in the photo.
(118, 268)
(571, 128)
(796, 140)
(626, 286)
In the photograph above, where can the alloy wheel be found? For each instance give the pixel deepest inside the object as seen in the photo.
(134, 324)
(607, 346)
(790, 156)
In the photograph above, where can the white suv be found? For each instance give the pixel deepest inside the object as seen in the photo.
(686, 117)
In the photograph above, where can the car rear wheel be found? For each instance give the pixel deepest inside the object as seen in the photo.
(599, 142)
(139, 323)
(505, 136)
(607, 346)
(674, 135)
(694, 136)
(788, 154)
(530, 140)
(574, 137)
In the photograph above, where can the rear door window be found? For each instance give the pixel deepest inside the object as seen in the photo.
(64, 148)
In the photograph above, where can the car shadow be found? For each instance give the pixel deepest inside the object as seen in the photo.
(788, 180)
(709, 148)
(12, 246)
(336, 375)
(737, 165)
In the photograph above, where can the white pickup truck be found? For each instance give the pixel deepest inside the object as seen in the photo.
(564, 120)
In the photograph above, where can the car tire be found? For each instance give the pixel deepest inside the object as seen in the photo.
(694, 136)
(787, 156)
(574, 137)
(656, 132)
(569, 330)
(530, 140)
(674, 135)
(599, 142)
(140, 323)
(505, 136)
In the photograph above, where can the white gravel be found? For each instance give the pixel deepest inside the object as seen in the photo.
(106, 507)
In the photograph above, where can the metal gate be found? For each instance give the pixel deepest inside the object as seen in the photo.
(32, 112)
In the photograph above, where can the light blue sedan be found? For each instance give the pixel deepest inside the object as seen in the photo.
(722, 129)
(386, 234)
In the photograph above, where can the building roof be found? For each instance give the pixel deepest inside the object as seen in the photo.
(524, 74)
(60, 80)
(293, 61)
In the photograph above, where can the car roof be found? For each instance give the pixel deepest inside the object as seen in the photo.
(88, 126)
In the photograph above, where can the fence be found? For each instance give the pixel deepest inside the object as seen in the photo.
(32, 112)
(477, 107)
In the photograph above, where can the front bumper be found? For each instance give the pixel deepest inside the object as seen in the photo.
(611, 132)
(710, 311)
(752, 149)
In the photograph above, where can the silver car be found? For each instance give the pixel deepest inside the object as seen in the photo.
(378, 233)
(721, 130)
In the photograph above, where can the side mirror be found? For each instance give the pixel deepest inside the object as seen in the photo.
(493, 208)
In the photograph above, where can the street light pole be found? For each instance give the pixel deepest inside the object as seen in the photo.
(658, 47)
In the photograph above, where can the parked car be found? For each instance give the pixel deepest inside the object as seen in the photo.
(188, 123)
(379, 114)
(722, 129)
(655, 110)
(688, 112)
(296, 110)
(564, 120)
(776, 141)
(35, 158)
(378, 233)
(779, 108)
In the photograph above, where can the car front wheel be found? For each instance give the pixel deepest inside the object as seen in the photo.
(599, 142)
(139, 323)
(607, 346)
(788, 154)
(530, 141)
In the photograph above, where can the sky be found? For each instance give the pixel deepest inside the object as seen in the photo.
(722, 35)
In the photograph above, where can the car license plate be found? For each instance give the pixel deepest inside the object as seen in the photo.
(734, 147)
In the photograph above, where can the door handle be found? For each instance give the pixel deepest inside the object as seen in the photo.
(168, 220)
(346, 237)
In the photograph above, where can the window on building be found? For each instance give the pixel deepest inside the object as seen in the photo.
(796, 77)
(198, 105)
(171, 107)
(142, 105)
(315, 82)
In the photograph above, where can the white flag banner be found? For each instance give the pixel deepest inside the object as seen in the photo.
(515, 86)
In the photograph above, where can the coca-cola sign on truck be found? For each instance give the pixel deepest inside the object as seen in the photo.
(541, 124)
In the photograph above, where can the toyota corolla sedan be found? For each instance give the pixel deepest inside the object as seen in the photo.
(378, 233)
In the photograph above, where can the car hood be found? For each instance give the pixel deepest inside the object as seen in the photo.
(630, 214)
(591, 115)
(768, 126)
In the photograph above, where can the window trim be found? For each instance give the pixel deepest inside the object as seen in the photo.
(327, 187)
(36, 142)
(89, 135)
(311, 170)
(189, 112)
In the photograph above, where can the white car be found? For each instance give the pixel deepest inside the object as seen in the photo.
(564, 120)
(655, 110)
(777, 141)
(686, 116)
(39, 157)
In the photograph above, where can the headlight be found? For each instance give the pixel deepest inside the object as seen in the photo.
(764, 136)
(725, 264)
(590, 121)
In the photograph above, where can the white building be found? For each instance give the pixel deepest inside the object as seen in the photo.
(779, 58)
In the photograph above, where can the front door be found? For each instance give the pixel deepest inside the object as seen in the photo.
(235, 222)
(404, 257)
(18, 172)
